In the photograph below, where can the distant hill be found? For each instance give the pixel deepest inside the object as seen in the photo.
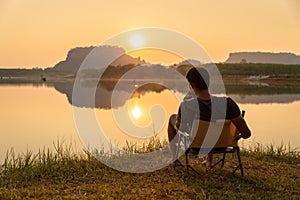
(263, 57)
(187, 62)
(76, 56)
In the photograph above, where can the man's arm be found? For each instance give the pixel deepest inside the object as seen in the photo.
(242, 126)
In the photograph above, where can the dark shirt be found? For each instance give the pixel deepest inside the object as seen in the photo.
(217, 108)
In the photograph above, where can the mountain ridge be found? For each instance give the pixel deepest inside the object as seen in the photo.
(263, 57)
(76, 56)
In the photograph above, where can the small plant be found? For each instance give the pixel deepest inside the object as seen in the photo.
(153, 144)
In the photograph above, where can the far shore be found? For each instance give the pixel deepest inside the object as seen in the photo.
(232, 73)
(274, 80)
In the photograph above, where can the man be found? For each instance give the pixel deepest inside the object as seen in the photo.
(211, 108)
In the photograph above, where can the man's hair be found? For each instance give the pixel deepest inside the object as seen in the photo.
(198, 77)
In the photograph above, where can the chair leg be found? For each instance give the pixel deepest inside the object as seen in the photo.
(177, 162)
(188, 166)
(187, 162)
(223, 160)
(178, 147)
(240, 161)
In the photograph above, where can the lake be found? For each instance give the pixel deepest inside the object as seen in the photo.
(34, 116)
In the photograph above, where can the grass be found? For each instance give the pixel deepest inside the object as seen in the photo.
(154, 143)
(276, 153)
(271, 172)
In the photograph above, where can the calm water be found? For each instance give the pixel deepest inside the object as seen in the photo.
(33, 117)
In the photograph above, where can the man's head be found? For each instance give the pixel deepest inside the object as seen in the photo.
(198, 78)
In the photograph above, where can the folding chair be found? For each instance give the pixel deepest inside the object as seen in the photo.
(197, 141)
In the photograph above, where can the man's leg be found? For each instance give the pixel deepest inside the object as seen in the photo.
(208, 161)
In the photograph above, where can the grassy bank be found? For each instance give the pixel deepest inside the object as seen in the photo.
(270, 173)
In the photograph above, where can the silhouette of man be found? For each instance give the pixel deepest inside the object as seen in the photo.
(198, 79)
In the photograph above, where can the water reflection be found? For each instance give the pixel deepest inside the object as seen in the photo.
(148, 116)
(262, 99)
(105, 90)
(241, 93)
(34, 116)
(273, 123)
(262, 105)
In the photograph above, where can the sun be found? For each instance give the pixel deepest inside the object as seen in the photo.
(136, 112)
(136, 41)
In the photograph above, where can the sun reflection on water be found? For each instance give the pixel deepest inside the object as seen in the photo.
(136, 112)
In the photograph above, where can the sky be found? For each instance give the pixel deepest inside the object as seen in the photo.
(38, 33)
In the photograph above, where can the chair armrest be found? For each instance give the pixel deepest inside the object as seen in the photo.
(238, 137)
(184, 134)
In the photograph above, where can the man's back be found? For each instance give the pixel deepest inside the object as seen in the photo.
(216, 108)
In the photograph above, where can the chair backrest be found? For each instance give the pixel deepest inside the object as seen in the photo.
(204, 134)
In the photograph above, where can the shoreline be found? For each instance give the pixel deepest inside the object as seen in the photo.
(274, 80)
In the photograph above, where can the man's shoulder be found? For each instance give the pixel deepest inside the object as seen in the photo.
(222, 98)
(192, 102)
(189, 101)
(219, 98)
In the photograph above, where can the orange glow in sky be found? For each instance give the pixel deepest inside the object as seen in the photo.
(157, 56)
(40, 33)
